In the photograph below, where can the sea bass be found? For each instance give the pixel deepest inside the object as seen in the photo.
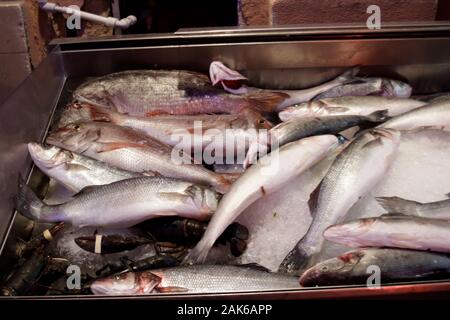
(193, 279)
(153, 92)
(299, 128)
(268, 175)
(396, 265)
(435, 115)
(369, 87)
(129, 150)
(231, 81)
(434, 210)
(122, 204)
(353, 174)
(395, 231)
(362, 106)
(72, 170)
(191, 133)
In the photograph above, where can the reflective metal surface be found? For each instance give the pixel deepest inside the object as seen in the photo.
(286, 57)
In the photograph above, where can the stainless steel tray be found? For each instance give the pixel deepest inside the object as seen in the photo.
(419, 54)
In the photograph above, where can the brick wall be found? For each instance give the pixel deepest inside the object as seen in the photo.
(283, 12)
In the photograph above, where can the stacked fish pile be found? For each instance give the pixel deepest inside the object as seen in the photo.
(138, 146)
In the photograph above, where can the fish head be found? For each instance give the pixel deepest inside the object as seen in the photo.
(75, 137)
(48, 156)
(395, 88)
(74, 113)
(332, 271)
(348, 233)
(96, 95)
(126, 283)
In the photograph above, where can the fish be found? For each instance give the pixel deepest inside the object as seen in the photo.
(104, 244)
(269, 174)
(129, 150)
(435, 210)
(193, 279)
(435, 115)
(369, 87)
(192, 133)
(393, 231)
(396, 265)
(231, 81)
(155, 92)
(123, 203)
(353, 174)
(74, 171)
(299, 128)
(362, 106)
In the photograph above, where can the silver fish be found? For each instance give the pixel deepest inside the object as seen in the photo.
(369, 87)
(396, 265)
(231, 81)
(353, 174)
(362, 106)
(432, 116)
(268, 175)
(132, 151)
(192, 133)
(194, 279)
(122, 204)
(154, 92)
(72, 170)
(394, 231)
(435, 210)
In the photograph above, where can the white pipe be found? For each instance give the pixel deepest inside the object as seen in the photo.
(109, 21)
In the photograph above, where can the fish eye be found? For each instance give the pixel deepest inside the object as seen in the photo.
(77, 127)
(261, 121)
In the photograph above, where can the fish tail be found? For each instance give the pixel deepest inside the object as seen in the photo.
(348, 75)
(29, 205)
(379, 116)
(398, 205)
(199, 253)
(295, 262)
(266, 101)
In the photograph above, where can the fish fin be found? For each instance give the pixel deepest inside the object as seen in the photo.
(199, 253)
(314, 199)
(379, 116)
(295, 262)
(254, 265)
(110, 146)
(76, 167)
(349, 75)
(100, 114)
(85, 189)
(266, 101)
(171, 289)
(155, 113)
(398, 205)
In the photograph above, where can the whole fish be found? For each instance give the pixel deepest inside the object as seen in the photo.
(129, 150)
(268, 175)
(153, 92)
(435, 115)
(369, 87)
(187, 132)
(362, 106)
(104, 244)
(231, 81)
(394, 231)
(193, 279)
(72, 170)
(123, 203)
(396, 265)
(435, 210)
(299, 128)
(353, 174)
